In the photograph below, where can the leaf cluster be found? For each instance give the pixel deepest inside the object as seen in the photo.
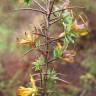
(38, 63)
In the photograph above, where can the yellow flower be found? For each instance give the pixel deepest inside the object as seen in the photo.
(23, 91)
(32, 81)
(69, 60)
(28, 39)
(83, 32)
(68, 56)
(70, 53)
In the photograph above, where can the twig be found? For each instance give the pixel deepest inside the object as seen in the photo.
(66, 82)
(55, 21)
(41, 78)
(39, 50)
(61, 74)
(48, 5)
(51, 41)
(62, 80)
(39, 5)
(50, 61)
(67, 8)
(50, 8)
(55, 18)
(38, 74)
(36, 10)
(41, 35)
(83, 92)
(52, 21)
(27, 52)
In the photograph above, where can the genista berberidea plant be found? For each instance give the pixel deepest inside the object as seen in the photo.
(52, 47)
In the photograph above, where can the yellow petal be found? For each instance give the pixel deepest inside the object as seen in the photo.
(23, 41)
(62, 35)
(33, 82)
(22, 91)
(28, 39)
(59, 45)
(70, 54)
(83, 33)
(33, 94)
(28, 36)
(70, 60)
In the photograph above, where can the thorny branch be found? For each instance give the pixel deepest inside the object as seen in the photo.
(38, 74)
(48, 40)
(67, 8)
(58, 79)
(31, 9)
(39, 5)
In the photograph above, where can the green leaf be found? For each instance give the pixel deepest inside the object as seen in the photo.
(56, 13)
(27, 1)
(52, 76)
(38, 43)
(38, 63)
(71, 40)
(3, 45)
(66, 41)
(68, 28)
(74, 34)
(57, 52)
(67, 18)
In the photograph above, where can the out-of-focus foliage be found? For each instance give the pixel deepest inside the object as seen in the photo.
(6, 86)
(4, 35)
(88, 4)
(33, 90)
(27, 1)
(89, 61)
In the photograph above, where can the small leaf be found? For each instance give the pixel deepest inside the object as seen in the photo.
(57, 51)
(27, 1)
(52, 76)
(66, 41)
(67, 18)
(38, 63)
(68, 28)
(56, 13)
(71, 40)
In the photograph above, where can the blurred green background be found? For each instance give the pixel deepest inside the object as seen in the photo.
(14, 68)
